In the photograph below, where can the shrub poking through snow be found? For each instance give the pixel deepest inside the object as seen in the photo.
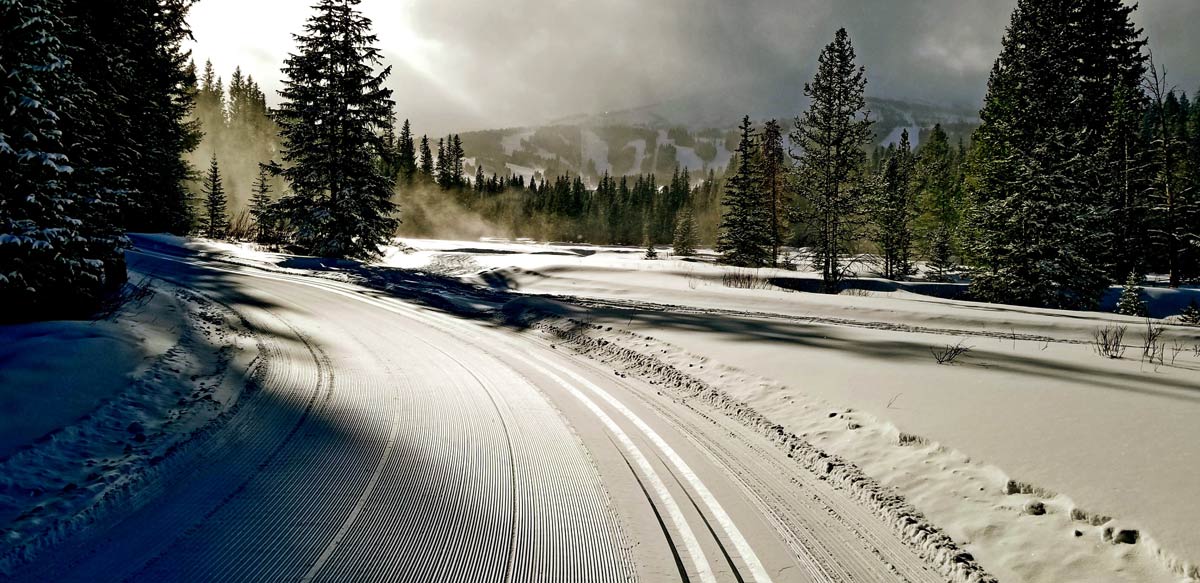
(1109, 341)
(1153, 350)
(950, 353)
(744, 279)
(1131, 303)
(1191, 314)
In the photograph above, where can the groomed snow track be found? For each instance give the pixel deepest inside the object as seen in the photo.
(346, 463)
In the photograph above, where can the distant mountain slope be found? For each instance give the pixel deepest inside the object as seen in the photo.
(695, 133)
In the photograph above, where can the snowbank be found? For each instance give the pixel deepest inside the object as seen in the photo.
(91, 410)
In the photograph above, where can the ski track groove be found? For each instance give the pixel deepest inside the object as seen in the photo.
(485, 483)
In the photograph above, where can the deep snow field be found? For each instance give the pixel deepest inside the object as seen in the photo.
(1021, 449)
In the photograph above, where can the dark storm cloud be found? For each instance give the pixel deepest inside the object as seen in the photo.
(463, 64)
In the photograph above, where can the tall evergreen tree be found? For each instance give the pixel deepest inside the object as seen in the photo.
(455, 177)
(440, 173)
(214, 222)
(59, 248)
(1173, 203)
(261, 207)
(939, 196)
(408, 154)
(146, 38)
(426, 171)
(684, 243)
(745, 238)
(832, 136)
(334, 109)
(1034, 226)
(894, 210)
(772, 174)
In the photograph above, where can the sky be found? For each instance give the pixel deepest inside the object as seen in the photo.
(461, 65)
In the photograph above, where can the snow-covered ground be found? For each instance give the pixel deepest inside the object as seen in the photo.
(1086, 436)
(1021, 450)
(90, 410)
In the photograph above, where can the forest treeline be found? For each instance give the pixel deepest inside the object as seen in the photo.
(1084, 172)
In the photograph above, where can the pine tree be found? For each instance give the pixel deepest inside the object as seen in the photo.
(60, 251)
(1191, 314)
(772, 174)
(894, 211)
(407, 156)
(939, 196)
(261, 207)
(941, 254)
(146, 38)
(648, 243)
(1173, 205)
(441, 175)
(1034, 226)
(480, 181)
(426, 170)
(832, 136)
(331, 119)
(1131, 303)
(745, 237)
(684, 243)
(214, 222)
(455, 167)
(1124, 185)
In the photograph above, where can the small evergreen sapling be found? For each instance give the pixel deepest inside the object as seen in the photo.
(1191, 314)
(651, 252)
(1131, 303)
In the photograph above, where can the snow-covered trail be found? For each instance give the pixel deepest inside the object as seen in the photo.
(391, 442)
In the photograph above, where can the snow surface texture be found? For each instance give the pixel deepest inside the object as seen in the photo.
(82, 441)
(1020, 451)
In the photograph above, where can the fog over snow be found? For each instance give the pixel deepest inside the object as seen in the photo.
(474, 64)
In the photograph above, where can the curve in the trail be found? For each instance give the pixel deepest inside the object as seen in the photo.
(369, 453)
(699, 562)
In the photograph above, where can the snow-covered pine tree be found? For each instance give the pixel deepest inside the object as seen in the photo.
(1035, 224)
(331, 120)
(894, 210)
(1130, 302)
(772, 175)
(214, 221)
(59, 249)
(261, 208)
(745, 236)
(832, 136)
(685, 240)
